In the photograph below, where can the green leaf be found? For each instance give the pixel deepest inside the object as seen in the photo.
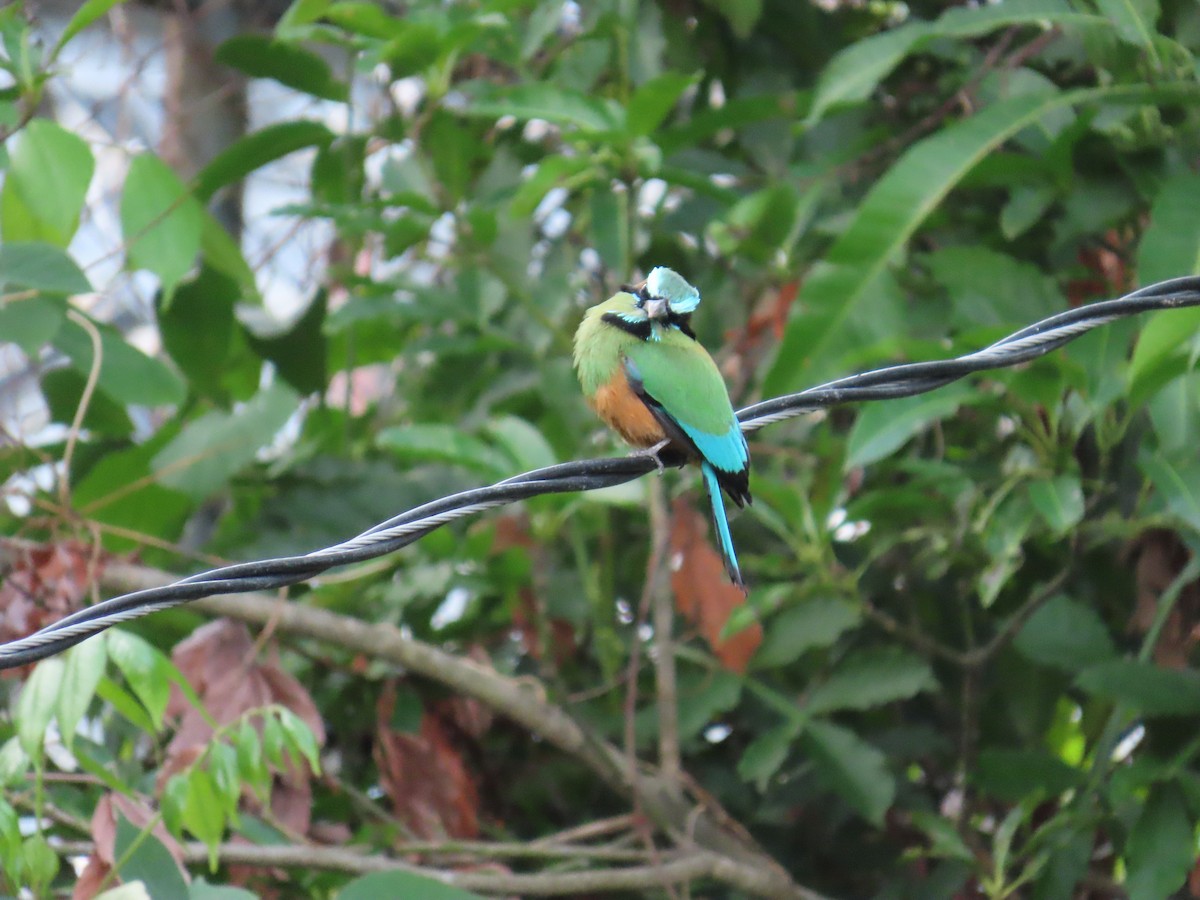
(301, 739)
(36, 703)
(203, 812)
(944, 840)
(1059, 501)
(120, 490)
(212, 449)
(1069, 858)
(452, 147)
(253, 151)
(10, 836)
(1025, 207)
(1147, 689)
(1134, 21)
(103, 772)
(198, 328)
(1014, 775)
(364, 18)
(63, 390)
(288, 63)
(88, 12)
(85, 664)
(126, 374)
(223, 253)
(32, 265)
(856, 71)
(146, 671)
(273, 742)
(223, 766)
(1178, 485)
(401, 884)
(443, 443)
(125, 704)
(703, 699)
(871, 678)
(418, 46)
(816, 622)
(252, 766)
(524, 444)
(766, 753)
(835, 293)
(990, 288)
(543, 101)
(40, 864)
(171, 802)
(31, 323)
(301, 353)
(1175, 412)
(337, 171)
(161, 221)
(1161, 848)
(1170, 247)
(150, 862)
(654, 100)
(965, 22)
(1066, 634)
(850, 767)
(202, 890)
(882, 428)
(45, 186)
(742, 15)
(14, 762)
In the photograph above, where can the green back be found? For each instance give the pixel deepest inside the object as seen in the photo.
(678, 373)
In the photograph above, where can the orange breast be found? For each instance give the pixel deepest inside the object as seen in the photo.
(620, 408)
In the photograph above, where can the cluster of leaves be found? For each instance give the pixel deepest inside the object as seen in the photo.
(965, 662)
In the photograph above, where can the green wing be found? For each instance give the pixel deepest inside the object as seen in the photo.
(678, 377)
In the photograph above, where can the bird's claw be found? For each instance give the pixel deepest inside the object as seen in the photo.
(652, 452)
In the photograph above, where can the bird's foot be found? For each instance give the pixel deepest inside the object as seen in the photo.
(652, 452)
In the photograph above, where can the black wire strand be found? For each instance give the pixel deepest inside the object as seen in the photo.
(588, 475)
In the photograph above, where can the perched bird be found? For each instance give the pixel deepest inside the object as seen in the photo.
(647, 377)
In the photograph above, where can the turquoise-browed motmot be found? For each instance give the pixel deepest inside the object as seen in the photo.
(647, 376)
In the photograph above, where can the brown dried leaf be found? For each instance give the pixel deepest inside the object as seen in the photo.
(42, 584)
(424, 775)
(104, 833)
(217, 660)
(1161, 556)
(529, 617)
(1106, 264)
(703, 593)
(91, 880)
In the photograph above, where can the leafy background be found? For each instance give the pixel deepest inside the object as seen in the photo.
(965, 664)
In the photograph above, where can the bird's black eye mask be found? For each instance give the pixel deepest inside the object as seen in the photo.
(682, 321)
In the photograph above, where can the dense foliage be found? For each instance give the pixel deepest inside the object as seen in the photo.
(964, 667)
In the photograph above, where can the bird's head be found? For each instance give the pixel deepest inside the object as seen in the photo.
(672, 290)
(665, 295)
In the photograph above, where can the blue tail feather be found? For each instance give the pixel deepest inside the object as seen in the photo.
(722, 524)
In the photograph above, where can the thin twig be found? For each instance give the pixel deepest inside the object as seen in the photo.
(510, 697)
(669, 759)
(678, 868)
(85, 400)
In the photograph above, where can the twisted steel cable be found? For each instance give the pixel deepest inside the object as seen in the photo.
(587, 475)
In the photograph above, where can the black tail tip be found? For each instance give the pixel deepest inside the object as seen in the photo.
(735, 576)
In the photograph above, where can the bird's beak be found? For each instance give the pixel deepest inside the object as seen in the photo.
(656, 308)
